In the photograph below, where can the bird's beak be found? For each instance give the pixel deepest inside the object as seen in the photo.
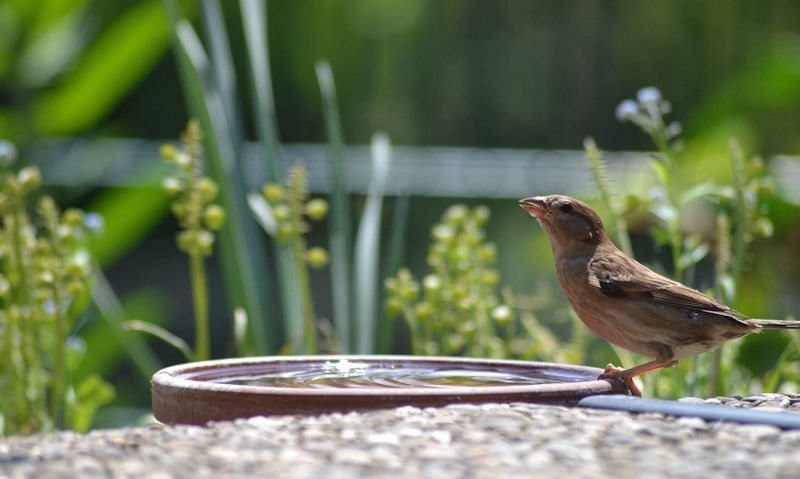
(535, 206)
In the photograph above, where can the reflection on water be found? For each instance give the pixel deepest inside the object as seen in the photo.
(388, 374)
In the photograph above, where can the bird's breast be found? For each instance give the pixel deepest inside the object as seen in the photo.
(612, 318)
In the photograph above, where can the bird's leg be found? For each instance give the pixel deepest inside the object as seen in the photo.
(627, 375)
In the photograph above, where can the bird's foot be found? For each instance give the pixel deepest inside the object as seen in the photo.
(614, 372)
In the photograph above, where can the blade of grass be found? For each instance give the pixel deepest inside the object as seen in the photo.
(291, 284)
(254, 21)
(242, 256)
(162, 334)
(111, 310)
(367, 249)
(222, 65)
(340, 223)
(395, 254)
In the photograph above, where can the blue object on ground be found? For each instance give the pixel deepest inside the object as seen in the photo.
(709, 412)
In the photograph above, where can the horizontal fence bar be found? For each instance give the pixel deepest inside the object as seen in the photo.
(416, 171)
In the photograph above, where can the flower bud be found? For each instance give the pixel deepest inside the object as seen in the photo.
(488, 253)
(501, 314)
(455, 215)
(281, 213)
(317, 257)
(76, 288)
(393, 307)
(285, 232)
(171, 185)
(423, 311)
(168, 151)
(317, 209)
(29, 178)
(481, 214)
(73, 217)
(273, 193)
(182, 159)
(214, 217)
(205, 242)
(207, 189)
(432, 283)
(5, 286)
(186, 240)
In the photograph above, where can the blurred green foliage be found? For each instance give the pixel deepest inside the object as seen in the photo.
(706, 223)
(45, 284)
(65, 66)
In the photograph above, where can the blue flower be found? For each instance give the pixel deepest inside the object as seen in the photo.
(648, 95)
(8, 153)
(94, 222)
(626, 110)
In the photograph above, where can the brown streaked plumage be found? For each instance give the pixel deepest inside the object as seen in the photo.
(627, 304)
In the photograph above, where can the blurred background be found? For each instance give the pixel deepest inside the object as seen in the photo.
(90, 89)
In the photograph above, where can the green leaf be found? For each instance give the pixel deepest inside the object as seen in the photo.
(254, 22)
(90, 395)
(340, 232)
(699, 191)
(662, 170)
(162, 334)
(397, 245)
(693, 255)
(263, 212)
(111, 66)
(129, 215)
(367, 249)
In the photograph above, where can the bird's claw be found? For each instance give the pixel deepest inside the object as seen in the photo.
(614, 372)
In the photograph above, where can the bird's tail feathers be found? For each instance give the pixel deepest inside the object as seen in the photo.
(776, 323)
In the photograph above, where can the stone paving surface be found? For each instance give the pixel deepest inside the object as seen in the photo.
(459, 441)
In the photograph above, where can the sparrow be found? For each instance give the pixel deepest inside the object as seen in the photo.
(628, 304)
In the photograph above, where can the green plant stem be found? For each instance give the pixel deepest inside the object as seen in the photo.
(601, 181)
(340, 230)
(29, 397)
(58, 398)
(307, 305)
(675, 241)
(396, 246)
(200, 298)
(741, 220)
(416, 337)
(242, 253)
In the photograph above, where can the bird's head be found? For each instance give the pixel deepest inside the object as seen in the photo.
(572, 226)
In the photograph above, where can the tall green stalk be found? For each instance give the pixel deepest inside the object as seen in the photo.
(367, 250)
(340, 228)
(198, 218)
(243, 261)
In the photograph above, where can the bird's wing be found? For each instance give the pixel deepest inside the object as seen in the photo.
(620, 276)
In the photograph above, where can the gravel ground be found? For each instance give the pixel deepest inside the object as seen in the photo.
(492, 441)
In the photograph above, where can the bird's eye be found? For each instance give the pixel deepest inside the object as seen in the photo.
(565, 208)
